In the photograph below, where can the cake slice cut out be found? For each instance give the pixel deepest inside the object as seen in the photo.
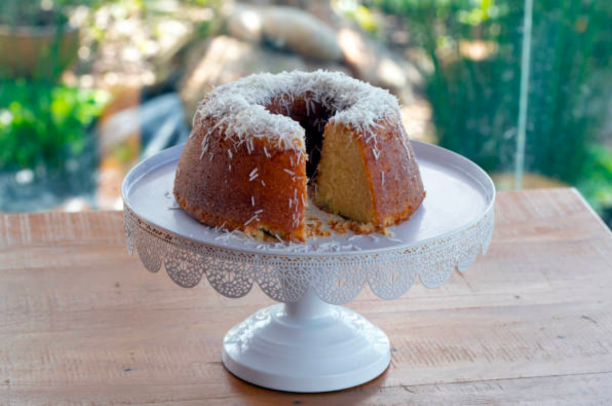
(257, 142)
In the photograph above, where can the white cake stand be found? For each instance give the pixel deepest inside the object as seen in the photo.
(310, 343)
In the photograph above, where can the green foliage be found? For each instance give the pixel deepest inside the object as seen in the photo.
(362, 15)
(45, 124)
(597, 186)
(475, 100)
(570, 87)
(17, 13)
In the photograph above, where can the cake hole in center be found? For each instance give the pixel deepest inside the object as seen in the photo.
(313, 119)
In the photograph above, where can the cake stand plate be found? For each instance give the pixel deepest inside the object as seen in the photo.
(310, 343)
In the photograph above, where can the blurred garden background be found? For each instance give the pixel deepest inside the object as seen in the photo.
(89, 87)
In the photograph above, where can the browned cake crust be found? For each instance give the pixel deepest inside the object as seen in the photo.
(258, 185)
(232, 188)
(395, 179)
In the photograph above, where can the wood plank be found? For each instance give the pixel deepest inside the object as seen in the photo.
(531, 322)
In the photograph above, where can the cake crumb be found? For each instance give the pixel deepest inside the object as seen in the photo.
(387, 233)
(344, 226)
(314, 228)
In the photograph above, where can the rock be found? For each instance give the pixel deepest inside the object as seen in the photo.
(300, 32)
(224, 59)
(245, 23)
(321, 9)
(377, 65)
(286, 28)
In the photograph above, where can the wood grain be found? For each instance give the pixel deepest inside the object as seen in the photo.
(82, 322)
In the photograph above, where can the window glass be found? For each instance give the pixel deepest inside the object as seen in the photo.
(89, 88)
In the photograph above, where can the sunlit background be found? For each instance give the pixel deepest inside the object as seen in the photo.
(88, 88)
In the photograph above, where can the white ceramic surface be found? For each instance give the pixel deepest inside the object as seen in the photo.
(458, 194)
(307, 346)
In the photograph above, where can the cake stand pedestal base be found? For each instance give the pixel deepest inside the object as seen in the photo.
(306, 346)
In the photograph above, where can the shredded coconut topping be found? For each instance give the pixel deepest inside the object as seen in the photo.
(239, 107)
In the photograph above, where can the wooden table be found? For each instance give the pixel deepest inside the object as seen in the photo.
(83, 322)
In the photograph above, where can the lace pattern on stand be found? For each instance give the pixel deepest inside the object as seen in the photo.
(336, 279)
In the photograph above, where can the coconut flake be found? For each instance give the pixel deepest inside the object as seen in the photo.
(250, 220)
(238, 108)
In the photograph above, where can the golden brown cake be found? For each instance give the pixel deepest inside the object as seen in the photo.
(259, 143)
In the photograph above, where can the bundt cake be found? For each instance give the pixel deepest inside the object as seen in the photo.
(257, 144)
